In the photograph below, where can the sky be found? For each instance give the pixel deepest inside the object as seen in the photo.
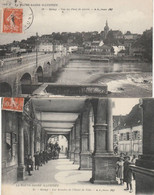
(123, 106)
(132, 15)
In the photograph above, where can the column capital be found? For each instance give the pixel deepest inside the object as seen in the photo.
(100, 127)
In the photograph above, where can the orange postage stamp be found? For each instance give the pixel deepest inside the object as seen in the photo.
(13, 104)
(12, 20)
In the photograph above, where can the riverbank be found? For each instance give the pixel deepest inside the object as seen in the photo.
(110, 58)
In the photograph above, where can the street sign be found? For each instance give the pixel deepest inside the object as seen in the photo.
(13, 104)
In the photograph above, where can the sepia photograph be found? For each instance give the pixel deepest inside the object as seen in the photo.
(76, 97)
(93, 48)
(77, 144)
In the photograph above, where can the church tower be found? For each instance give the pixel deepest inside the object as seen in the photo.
(106, 30)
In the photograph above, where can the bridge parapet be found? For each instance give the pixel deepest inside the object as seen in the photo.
(15, 62)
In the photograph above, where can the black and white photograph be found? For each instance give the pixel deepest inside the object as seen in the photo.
(76, 97)
(78, 144)
(97, 48)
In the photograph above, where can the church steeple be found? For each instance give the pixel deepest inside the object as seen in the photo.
(106, 29)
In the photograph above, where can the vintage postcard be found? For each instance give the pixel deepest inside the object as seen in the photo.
(76, 84)
(78, 145)
(63, 47)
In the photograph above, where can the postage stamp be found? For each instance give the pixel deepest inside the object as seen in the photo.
(12, 20)
(13, 104)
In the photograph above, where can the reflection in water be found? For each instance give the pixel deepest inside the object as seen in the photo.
(77, 71)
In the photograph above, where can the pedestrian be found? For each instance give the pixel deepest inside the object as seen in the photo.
(44, 157)
(41, 158)
(29, 165)
(128, 174)
(133, 161)
(37, 160)
(120, 170)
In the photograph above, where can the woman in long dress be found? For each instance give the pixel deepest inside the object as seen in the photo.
(120, 170)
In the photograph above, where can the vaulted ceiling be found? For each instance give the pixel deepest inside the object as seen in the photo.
(57, 115)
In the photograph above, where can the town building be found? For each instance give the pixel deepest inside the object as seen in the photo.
(128, 132)
(117, 49)
(117, 34)
(46, 47)
(128, 35)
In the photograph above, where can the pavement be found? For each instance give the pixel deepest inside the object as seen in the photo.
(62, 175)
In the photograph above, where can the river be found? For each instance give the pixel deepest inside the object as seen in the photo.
(79, 71)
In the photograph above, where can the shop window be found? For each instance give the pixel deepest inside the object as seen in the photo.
(136, 148)
(127, 147)
(135, 135)
(11, 140)
(121, 137)
(9, 146)
(127, 136)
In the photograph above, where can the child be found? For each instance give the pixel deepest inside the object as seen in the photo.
(128, 174)
(120, 167)
(29, 165)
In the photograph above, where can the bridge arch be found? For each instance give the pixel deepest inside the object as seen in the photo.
(39, 73)
(26, 82)
(5, 90)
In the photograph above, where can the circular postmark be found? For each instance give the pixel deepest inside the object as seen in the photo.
(28, 18)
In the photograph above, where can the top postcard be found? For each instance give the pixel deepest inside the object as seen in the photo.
(76, 48)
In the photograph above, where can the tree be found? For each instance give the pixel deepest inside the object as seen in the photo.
(110, 40)
(145, 41)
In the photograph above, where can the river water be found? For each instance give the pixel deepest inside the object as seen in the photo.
(79, 71)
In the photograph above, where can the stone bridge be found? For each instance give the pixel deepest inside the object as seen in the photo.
(29, 69)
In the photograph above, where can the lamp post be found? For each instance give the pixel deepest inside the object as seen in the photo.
(53, 50)
(36, 44)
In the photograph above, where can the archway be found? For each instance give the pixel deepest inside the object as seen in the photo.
(39, 73)
(62, 141)
(5, 90)
(26, 83)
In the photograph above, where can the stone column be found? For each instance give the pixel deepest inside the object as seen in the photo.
(110, 128)
(103, 165)
(42, 139)
(144, 169)
(72, 144)
(69, 144)
(85, 155)
(32, 140)
(77, 142)
(21, 167)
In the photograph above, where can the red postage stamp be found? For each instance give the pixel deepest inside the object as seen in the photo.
(13, 104)
(12, 20)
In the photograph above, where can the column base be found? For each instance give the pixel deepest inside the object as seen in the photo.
(69, 155)
(21, 173)
(76, 158)
(72, 156)
(103, 169)
(107, 182)
(85, 161)
(144, 180)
